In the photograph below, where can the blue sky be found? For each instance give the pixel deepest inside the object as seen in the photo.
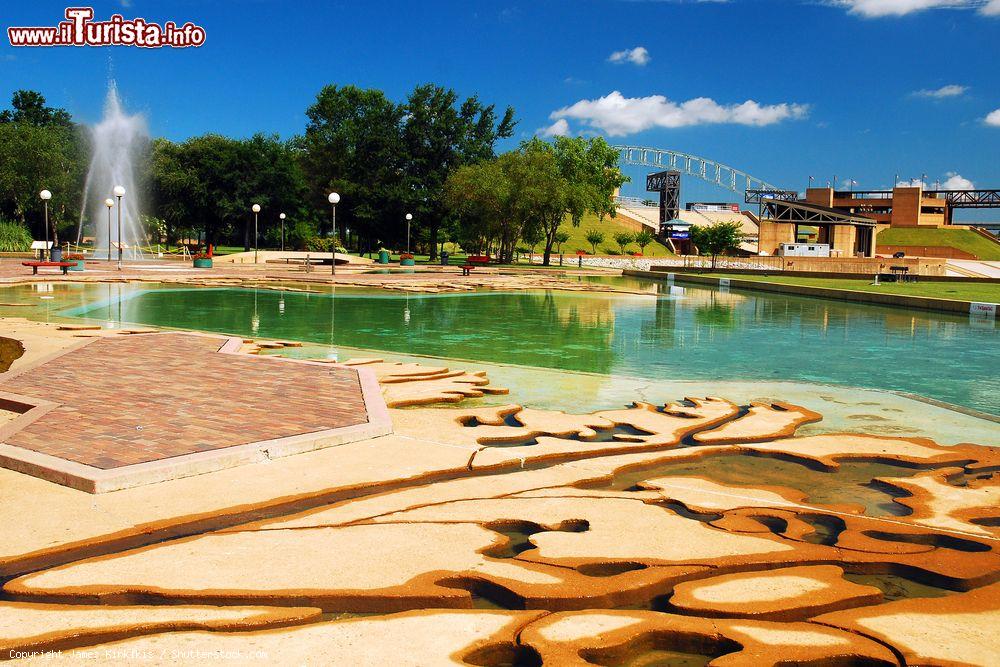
(835, 86)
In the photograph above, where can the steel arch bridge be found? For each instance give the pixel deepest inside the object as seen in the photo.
(711, 171)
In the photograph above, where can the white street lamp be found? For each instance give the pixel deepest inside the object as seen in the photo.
(409, 217)
(282, 216)
(334, 199)
(46, 196)
(109, 202)
(256, 209)
(119, 192)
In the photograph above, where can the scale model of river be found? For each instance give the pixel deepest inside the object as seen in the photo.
(857, 365)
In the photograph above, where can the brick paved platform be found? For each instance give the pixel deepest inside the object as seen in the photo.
(122, 411)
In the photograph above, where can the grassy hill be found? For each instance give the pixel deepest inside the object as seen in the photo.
(609, 227)
(962, 239)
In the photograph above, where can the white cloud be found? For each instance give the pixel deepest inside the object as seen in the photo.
(951, 90)
(560, 128)
(993, 118)
(956, 182)
(618, 115)
(953, 181)
(880, 8)
(637, 56)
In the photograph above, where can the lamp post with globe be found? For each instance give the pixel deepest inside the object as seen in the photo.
(334, 199)
(256, 209)
(109, 202)
(282, 217)
(409, 217)
(46, 196)
(119, 192)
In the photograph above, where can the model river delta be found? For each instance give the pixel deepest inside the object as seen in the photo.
(681, 530)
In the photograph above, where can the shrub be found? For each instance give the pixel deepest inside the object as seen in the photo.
(560, 238)
(623, 239)
(297, 235)
(14, 237)
(643, 239)
(595, 238)
(324, 244)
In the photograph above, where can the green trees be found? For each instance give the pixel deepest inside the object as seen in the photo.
(40, 148)
(581, 176)
(717, 239)
(532, 237)
(561, 237)
(388, 159)
(623, 239)
(353, 146)
(643, 238)
(489, 200)
(595, 237)
(529, 193)
(208, 184)
(438, 136)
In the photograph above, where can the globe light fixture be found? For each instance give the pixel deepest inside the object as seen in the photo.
(119, 192)
(46, 196)
(334, 199)
(282, 217)
(256, 209)
(409, 217)
(109, 202)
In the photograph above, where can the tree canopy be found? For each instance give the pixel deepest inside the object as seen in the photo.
(40, 148)
(529, 193)
(717, 239)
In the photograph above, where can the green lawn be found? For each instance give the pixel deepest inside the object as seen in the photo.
(987, 292)
(609, 227)
(962, 239)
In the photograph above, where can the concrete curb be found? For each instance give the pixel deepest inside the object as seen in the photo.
(899, 300)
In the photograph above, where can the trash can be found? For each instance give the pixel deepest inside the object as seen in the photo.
(444, 258)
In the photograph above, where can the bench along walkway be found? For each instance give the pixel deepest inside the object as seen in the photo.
(56, 265)
(472, 261)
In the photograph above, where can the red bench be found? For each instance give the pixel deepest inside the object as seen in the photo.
(56, 265)
(472, 261)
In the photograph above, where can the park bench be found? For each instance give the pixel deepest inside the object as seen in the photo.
(58, 265)
(472, 261)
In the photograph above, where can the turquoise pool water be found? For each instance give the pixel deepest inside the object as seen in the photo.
(665, 333)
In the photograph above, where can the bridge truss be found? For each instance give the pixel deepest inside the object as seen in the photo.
(711, 171)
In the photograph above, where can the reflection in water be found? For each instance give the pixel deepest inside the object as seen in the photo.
(700, 335)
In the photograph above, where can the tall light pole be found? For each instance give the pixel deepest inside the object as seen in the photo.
(333, 198)
(46, 196)
(409, 217)
(256, 209)
(119, 192)
(109, 202)
(282, 216)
